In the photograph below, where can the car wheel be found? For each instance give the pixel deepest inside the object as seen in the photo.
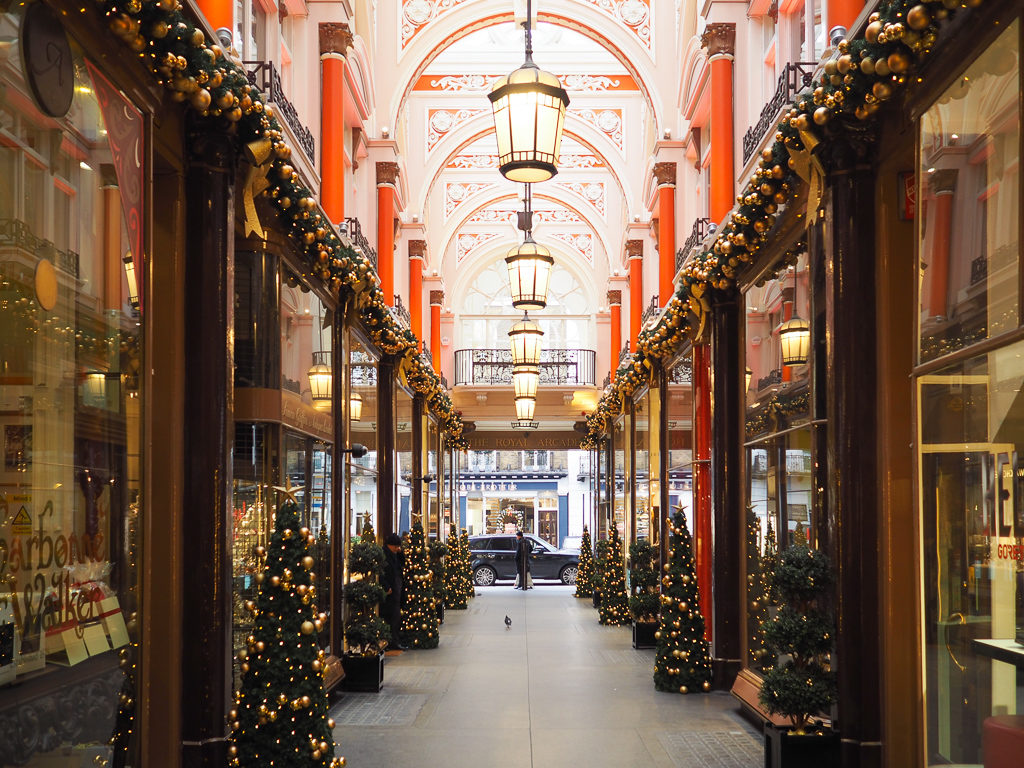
(568, 574)
(485, 576)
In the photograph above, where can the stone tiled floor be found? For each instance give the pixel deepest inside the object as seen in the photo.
(557, 689)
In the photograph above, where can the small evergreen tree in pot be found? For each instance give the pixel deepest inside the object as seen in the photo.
(643, 583)
(803, 684)
(600, 561)
(419, 613)
(438, 552)
(614, 608)
(585, 574)
(456, 589)
(366, 633)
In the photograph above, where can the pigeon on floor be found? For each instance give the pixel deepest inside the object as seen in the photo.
(508, 622)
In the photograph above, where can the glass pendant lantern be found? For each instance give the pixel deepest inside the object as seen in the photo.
(355, 407)
(795, 340)
(321, 379)
(525, 341)
(525, 407)
(525, 379)
(529, 273)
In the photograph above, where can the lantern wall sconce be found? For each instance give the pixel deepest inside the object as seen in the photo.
(355, 407)
(321, 380)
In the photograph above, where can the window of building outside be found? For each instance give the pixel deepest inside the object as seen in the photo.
(250, 36)
(403, 450)
(448, 499)
(970, 413)
(679, 424)
(641, 459)
(779, 435)
(71, 356)
(363, 412)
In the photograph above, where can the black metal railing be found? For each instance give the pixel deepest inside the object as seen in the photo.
(607, 381)
(774, 377)
(623, 353)
(354, 231)
(264, 75)
(979, 269)
(650, 310)
(794, 78)
(702, 227)
(17, 233)
(494, 366)
(401, 312)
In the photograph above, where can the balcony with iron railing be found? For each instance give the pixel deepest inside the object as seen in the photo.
(794, 78)
(702, 227)
(773, 378)
(559, 367)
(264, 75)
(650, 310)
(401, 313)
(624, 354)
(351, 229)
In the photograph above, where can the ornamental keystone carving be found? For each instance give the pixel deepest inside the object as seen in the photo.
(719, 38)
(335, 37)
(665, 173)
(436, 298)
(417, 249)
(615, 297)
(635, 249)
(387, 173)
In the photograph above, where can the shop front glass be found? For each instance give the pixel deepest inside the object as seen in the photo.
(970, 413)
(71, 456)
(779, 434)
(430, 496)
(620, 440)
(363, 413)
(403, 464)
(679, 425)
(641, 459)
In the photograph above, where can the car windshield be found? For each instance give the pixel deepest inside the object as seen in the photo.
(539, 545)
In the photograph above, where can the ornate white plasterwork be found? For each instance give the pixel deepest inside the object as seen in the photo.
(607, 121)
(486, 162)
(503, 215)
(457, 193)
(581, 242)
(467, 242)
(591, 191)
(484, 83)
(440, 121)
(416, 14)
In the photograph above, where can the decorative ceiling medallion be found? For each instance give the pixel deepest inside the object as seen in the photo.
(635, 14)
(440, 121)
(506, 215)
(456, 194)
(466, 243)
(486, 162)
(416, 14)
(591, 191)
(607, 121)
(581, 242)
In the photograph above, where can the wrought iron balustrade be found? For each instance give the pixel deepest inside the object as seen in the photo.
(17, 233)
(494, 366)
(264, 75)
(401, 312)
(624, 353)
(607, 381)
(794, 78)
(979, 269)
(773, 378)
(650, 310)
(354, 231)
(702, 227)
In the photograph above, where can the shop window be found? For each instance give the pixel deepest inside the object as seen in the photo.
(430, 498)
(71, 449)
(969, 205)
(363, 413)
(679, 423)
(403, 449)
(623, 484)
(641, 458)
(305, 344)
(250, 30)
(970, 413)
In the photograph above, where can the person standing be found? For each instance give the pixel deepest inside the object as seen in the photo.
(394, 563)
(523, 549)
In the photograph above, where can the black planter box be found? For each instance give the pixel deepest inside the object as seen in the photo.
(784, 749)
(643, 634)
(363, 673)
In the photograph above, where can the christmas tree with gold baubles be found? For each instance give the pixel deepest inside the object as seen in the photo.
(456, 588)
(682, 663)
(467, 565)
(758, 588)
(614, 608)
(420, 626)
(280, 714)
(585, 572)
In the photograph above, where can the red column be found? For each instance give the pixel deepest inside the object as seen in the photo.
(615, 304)
(844, 12)
(334, 42)
(416, 248)
(702, 478)
(720, 40)
(436, 300)
(387, 176)
(220, 13)
(944, 184)
(665, 175)
(635, 250)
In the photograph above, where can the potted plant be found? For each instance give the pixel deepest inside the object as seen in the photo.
(366, 633)
(643, 597)
(600, 559)
(614, 608)
(585, 573)
(802, 684)
(438, 552)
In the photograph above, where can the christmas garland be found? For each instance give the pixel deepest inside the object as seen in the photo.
(868, 71)
(215, 85)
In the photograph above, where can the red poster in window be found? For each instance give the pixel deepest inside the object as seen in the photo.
(125, 137)
(907, 195)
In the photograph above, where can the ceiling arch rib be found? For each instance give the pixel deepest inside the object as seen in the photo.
(470, 17)
(479, 125)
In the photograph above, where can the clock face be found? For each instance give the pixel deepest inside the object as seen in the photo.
(49, 68)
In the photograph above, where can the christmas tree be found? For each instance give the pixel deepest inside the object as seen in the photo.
(366, 633)
(643, 582)
(419, 612)
(682, 663)
(438, 553)
(585, 573)
(614, 608)
(456, 589)
(600, 562)
(803, 685)
(769, 562)
(757, 597)
(467, 565)
(280, 715)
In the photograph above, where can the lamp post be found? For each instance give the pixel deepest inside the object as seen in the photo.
(529, 111)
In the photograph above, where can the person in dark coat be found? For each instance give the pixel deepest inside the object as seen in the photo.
(523, 549)
(394, 562)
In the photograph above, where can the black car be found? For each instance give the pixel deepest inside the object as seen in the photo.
(493, 557)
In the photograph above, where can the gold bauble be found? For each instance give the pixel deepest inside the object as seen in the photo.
(871, 31)
(898, 62)
(844, 64)
(831, 68)
(201, 99)
(315, 754)
(307, 628)
(821, 115)
(867, 66)
(307, 562)
(706, 686)
(683, 689)
(918, 18)
(881, 91)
